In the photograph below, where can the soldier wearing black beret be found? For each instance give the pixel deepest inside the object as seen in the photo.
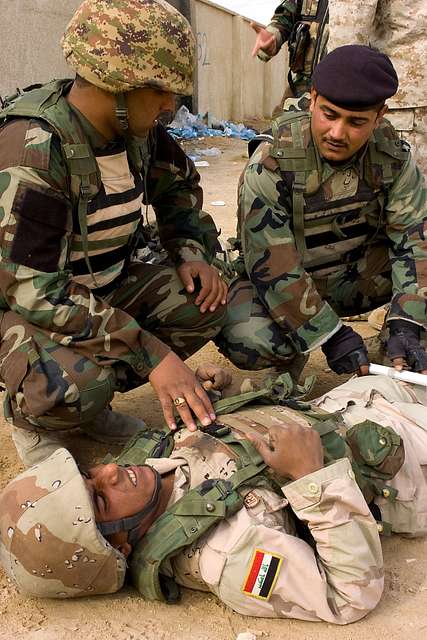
(356, 78)
(332, 223)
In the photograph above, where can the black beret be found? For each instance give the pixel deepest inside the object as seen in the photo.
(355, 77)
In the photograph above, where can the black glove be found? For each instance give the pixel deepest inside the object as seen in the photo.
(404, 342)
(345, 351)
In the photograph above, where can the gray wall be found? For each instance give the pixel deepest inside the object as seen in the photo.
(29, 35)
(229, 83)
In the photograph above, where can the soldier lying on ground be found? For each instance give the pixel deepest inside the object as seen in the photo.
(332, 220)
(202, 510)
(80, 318)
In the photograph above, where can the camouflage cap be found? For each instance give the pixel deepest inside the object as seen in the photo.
(120, 45)
(49, 543)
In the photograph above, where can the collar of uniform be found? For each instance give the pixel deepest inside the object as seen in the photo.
(181, 481)
(97, 141)
(355, 162)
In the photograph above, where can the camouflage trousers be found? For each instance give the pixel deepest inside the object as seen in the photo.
(412, 127)
(251, 339)
(52, 387)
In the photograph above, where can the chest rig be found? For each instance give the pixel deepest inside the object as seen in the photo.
(376, 454)
(344, 210)
(48, 103)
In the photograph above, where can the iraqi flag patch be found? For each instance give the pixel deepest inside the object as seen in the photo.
(262, 574)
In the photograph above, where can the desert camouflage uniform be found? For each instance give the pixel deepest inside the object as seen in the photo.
(339, 579)
(69, 341)
(285, 19)
(360, 242)
(397, 28)
(343, 571)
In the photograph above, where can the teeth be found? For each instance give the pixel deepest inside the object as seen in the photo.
(132, 476)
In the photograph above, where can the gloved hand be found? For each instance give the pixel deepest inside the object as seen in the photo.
(404, 348)
(345, 352)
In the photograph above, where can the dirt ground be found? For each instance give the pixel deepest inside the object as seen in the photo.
(401, 613)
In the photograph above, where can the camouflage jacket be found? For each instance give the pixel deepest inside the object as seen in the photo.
(254, 560)
(385, 197)
(289, 16)
(395, 27)
(43, 276)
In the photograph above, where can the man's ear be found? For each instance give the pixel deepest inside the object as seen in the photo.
(313, 94)
(380, 115)
(125, 548)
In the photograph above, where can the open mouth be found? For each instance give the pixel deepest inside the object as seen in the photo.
(132, 475)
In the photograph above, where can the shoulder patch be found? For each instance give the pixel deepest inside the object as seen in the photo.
(25, 143)
(262, 574)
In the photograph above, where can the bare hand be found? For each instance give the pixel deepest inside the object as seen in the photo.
(264, 40)
(213, 377)
(171, 380)
(294, 450)
(214, 289)
(400, 364)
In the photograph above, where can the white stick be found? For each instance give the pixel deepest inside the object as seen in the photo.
(405, 376)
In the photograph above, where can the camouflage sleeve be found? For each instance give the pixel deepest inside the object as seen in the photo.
(406, 227)
(281, 25)
(35, 280)
(350, 22)
(262, 570)
(272, 260)
(186, 232)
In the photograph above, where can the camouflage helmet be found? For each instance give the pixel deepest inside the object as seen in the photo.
(120, 45)
(49, 543)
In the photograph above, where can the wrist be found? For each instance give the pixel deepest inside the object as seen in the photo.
(396, 326)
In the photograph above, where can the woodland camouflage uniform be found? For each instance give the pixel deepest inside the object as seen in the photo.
(303, 24)
(80, 319)
(319, 242)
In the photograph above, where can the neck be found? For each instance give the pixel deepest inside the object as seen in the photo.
(97, 106)
(165, 494)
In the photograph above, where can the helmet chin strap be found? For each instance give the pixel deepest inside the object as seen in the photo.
(122, 111)
(131, 523)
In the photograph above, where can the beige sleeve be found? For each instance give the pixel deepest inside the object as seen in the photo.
(261, 570)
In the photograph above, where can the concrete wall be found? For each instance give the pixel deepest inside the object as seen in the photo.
(30, 31)
(230, 84)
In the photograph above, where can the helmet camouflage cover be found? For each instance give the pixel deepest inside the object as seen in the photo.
(49, 543)
(120, 45)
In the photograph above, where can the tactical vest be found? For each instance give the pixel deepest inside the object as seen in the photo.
(333, 222)
(48, 103)
(376, 454)
(308, 40)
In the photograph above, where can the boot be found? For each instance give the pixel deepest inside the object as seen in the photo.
(112, 427)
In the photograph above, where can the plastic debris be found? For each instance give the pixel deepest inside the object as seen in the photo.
(188, 126)
(246, 635)
(201, 163)
(218, 203)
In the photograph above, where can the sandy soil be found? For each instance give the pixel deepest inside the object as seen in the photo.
(125, 616)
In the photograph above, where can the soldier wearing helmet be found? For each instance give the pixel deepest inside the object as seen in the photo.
(63, 534)
(81, 318)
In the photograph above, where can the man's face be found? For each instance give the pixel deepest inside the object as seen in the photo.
(118, 492)
(339, 133)
(144, 107)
